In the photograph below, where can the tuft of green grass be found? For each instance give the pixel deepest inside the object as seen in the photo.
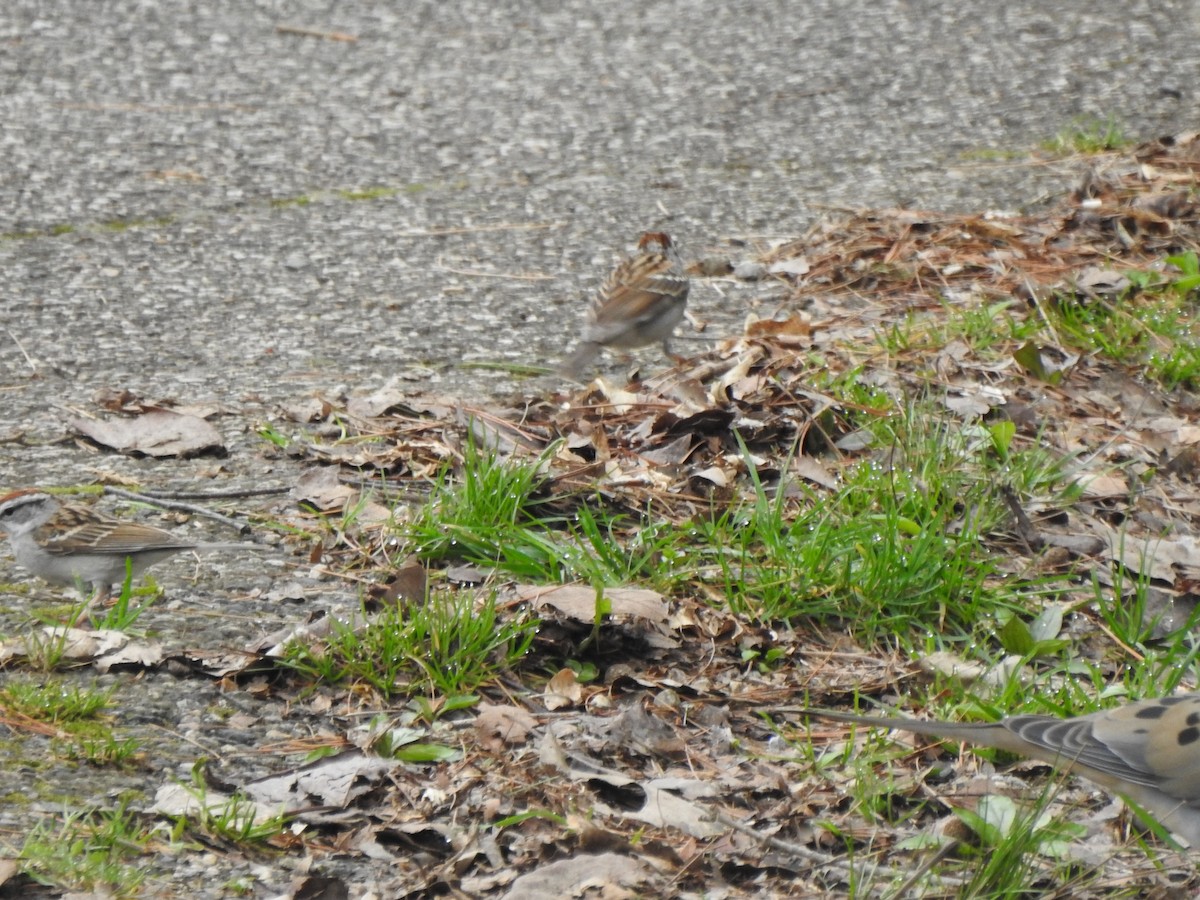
(992, 154)
(990, 329)
(273, 435)
(1088, 134)
(300, 200)
(392, 740)
(88, 850)
(375, 193)
(895, 553)
(489, 512)
(1014, 846)
(126, 610)
(54, 701)
(449, 645)
(233, 818)
(895, 550)
(77, 712)
(46, 649)
(1151, 327)
(119, 225)
(1007, 848)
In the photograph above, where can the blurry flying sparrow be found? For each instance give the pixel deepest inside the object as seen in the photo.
(64, 543)
(640, 303)
(1149, 751)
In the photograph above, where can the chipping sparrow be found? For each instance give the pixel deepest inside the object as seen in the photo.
(640, 303)
(1147, 751)
(64, 543)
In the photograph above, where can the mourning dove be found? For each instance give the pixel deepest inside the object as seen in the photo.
(640, 303)
(1148, 752)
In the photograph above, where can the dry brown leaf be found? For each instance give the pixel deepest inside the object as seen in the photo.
(319, 887)
(609, 876)
(104, 648)
(796, 265)
(138, 654)
(409, 582)
(176, 800)
(579, 603)
(322, 791)
(714, 474)
(311, 409)
(373, 405)
(159, 433)
(1103, 485)
(500, 727)
(791, 329)
(562, 690)
(670, 804)
(813, 470)
(671, 454)
(322, 489)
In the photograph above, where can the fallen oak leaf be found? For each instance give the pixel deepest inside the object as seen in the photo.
(500, 727)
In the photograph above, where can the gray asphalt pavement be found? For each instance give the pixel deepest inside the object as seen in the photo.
(184, 206)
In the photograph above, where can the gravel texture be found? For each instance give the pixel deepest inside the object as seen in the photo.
(197, 206)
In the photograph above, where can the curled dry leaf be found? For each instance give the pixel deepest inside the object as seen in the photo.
(310, 409)
(389, 396)
(409, 582)
(562, 690)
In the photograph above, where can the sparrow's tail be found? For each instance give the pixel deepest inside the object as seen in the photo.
(574, 364)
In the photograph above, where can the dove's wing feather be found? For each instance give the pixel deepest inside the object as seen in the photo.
(1148, 751)
(1160, 737)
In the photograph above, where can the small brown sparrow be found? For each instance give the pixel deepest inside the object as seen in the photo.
(640, 303)
(1148, 751)
(65, 543)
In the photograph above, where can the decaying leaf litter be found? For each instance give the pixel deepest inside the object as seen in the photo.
(663, 761)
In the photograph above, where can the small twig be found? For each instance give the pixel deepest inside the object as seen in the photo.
(317, 33)
(154, 107)
(207, 749)
(1133, 654)
(943, 851)
(21, 347)
(832, 861)
(239, 494)
(1025, 528)
(781, 845)
(1046, 320)
(180, 506)
(476, 273)
(479, 229)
